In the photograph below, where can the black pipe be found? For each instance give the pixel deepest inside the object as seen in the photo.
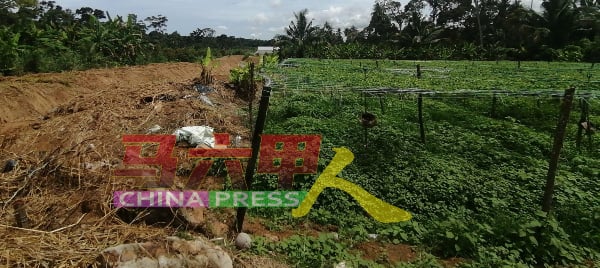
(258, 129)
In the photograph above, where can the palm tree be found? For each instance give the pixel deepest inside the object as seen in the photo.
(299, 34)
(559, 17)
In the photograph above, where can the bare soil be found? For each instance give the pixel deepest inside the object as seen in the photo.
(65, 129)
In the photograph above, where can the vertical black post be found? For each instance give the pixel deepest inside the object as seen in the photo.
(381, 104)
(559, 137)
(258, 129)
(251, 94)
(419, 71)
(421, 125)
(494, 102)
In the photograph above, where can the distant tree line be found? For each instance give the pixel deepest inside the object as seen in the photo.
(41, 36)
(565, 30)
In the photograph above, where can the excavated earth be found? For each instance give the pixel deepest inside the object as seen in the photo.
(64, 132)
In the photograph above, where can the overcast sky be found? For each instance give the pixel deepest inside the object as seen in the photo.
(260, 19)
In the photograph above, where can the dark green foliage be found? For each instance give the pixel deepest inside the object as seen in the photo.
(471, 30)
(475, 189)
(44, 37)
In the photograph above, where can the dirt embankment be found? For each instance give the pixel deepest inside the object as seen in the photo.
(65, 129)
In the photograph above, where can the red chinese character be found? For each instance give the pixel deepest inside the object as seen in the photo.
(166, 163)
(234, 167)
(288, 155)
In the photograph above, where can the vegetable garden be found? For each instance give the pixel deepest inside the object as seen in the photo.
(475, 186)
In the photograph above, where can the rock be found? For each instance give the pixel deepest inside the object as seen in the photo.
(171, 252)
(373, 236)
(9, 166)
(243, 241)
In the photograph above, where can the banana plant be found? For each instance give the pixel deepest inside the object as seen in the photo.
(9, 50)
(94, 40)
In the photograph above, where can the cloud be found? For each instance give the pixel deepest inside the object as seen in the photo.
(261, 18)
(275, 3)
(342, 16)
(277, 29)
(222, 27)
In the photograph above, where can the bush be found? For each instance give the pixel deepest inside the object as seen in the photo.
(570, 53)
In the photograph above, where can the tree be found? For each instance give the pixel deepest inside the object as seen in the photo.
(54, 15)
(199, 34)
(352, 34)
(559, 18)
(158, 23)
(298, 35)
(7, 17)
(327, 36)
(84, 14)
(380, 27)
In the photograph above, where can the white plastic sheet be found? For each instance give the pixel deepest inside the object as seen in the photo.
(196, 135)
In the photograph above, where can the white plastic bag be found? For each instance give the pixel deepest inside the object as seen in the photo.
(196, 135)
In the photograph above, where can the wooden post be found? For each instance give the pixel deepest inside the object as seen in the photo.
(419, 71)
(381, 104)
(251, 95)
(559, 138)
(421, 125)
(258, 129)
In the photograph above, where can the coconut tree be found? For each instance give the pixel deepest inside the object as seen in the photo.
(298, 36)
(559, 17)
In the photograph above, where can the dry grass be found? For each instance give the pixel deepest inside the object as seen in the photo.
(65, 162)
